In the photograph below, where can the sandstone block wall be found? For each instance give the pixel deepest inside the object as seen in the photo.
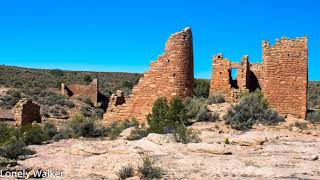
(285, 75)
(25, 112)
(282, 76)
(77, 90)
(222, 83)
(170, 75)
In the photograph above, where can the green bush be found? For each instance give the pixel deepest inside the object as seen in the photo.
(176, 112)
(301, 125)
(165, 118)
(65, 133)
(5, 133)
(117, 127)
(226, 141)
(158, 117)
(82, 127)
(313, 117)
(87, 78)
(252, 108)
(201, 88)
(216, 99)
(10, 100)
(186, 135)
(148, 169)
(56, 72)
(137, 133)
(125, 172)
(49, 129)
(196, 110)
(14, 149)
(32, 134)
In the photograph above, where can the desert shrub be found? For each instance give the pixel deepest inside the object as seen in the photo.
(87, 78)
(14, 149)
(65, 133)
(56, 72)
(201, 88)
(125, 172)
(216, 99)
(252, 108)
(32, 134)
(137, 133)
(89, 111)
(186, 135)
(165, 118)
(117, 127)
(204, 115)
(82, 126)
(85, 110)
(49, 129)
(226, 141)
(313, 117)
(176, 112)
(196, 110)
(127, 84)
(300, 125)
(158, 116)
(5, 133)
(10, 100)
(149, 170)
(87, 100)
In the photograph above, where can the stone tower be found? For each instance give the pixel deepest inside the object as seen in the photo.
(285, 75)
(170, 75)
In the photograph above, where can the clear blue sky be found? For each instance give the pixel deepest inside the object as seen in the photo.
(126, 35)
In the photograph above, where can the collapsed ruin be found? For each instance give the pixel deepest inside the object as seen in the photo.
(26, 112)
(170, 75)
(83, 91)
(282, 76)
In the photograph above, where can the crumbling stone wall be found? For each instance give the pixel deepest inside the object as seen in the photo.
(170, 75)
(25, 112)
(285, 75)
(83, 91)
(222, 83)
(256, 78)
(282, 76)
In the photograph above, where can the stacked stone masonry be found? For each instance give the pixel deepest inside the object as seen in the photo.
(282, 76)
(222, 82)
(25, 112)
(170, 75)
(285, 75)
(83, 91)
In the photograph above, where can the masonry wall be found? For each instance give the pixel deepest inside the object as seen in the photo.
(25, 112)
(77, 90)
(170, 75)
(285, 75)
(221, 81)
(221, 74)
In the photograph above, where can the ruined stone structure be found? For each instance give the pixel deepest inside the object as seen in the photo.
(83, 91)
(170, 75)
(282, 76)
(222, 82)
(285, 75)
(25, 112)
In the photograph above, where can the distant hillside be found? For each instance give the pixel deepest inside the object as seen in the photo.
(314, 94)
(26, 78)
(21, 78)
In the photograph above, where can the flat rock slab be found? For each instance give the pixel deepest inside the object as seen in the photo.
(283, 154)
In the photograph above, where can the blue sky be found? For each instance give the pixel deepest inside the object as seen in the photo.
(125, 36)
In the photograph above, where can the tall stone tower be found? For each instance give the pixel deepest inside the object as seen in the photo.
(285, 75)
(170, 75)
